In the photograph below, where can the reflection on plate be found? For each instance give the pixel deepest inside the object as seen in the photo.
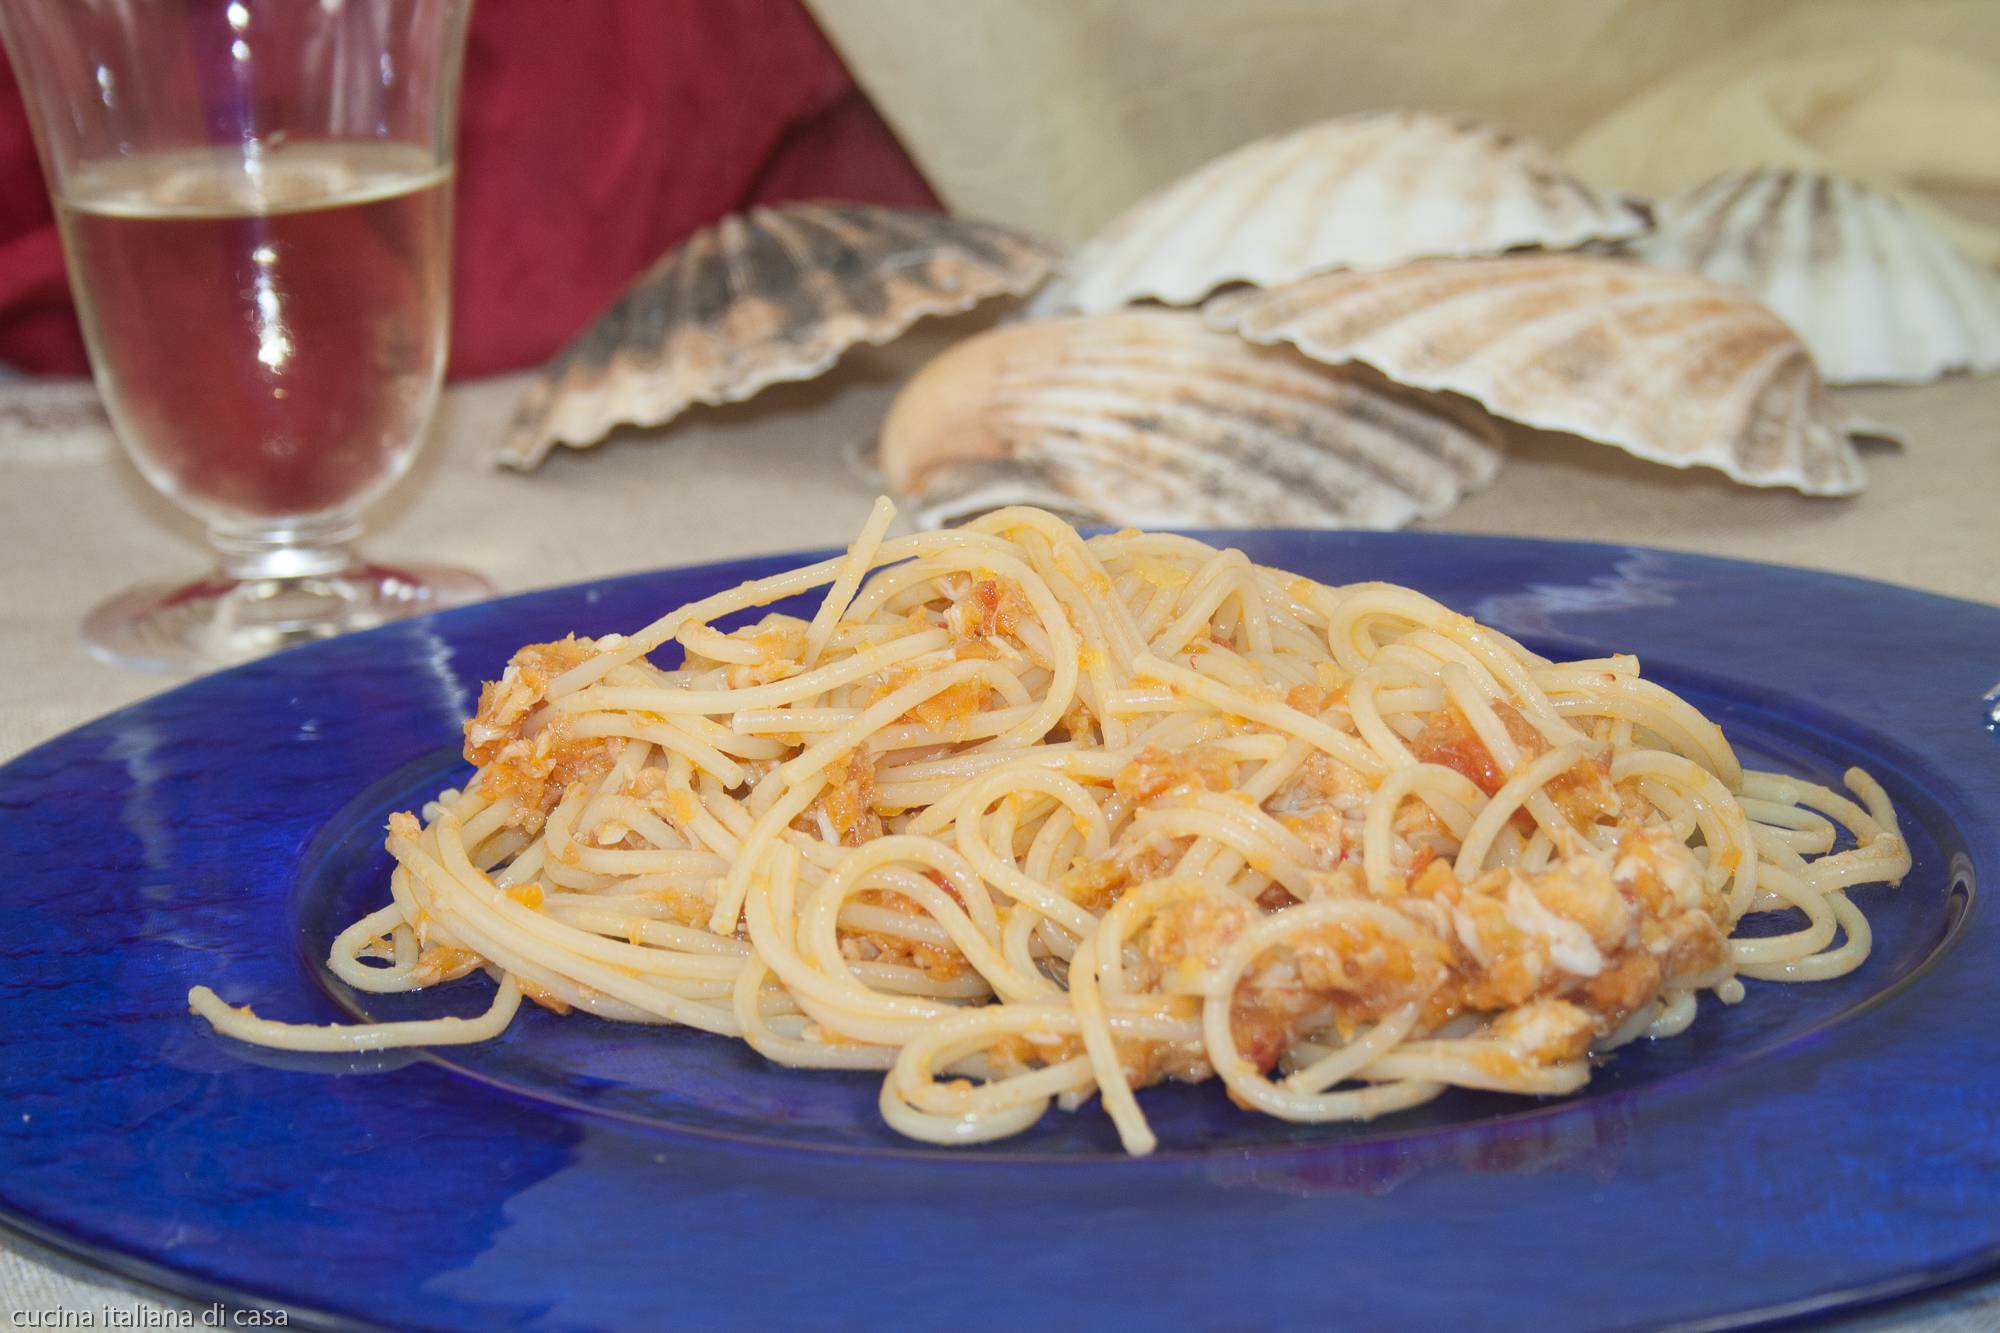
(578, 1174)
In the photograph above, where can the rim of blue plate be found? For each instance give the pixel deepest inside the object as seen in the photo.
(89, 991)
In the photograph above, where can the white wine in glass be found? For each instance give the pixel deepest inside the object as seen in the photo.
(256, 213)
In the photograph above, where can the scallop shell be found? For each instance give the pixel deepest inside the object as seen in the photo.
(1361, 191)
(760, 298)
(1146, 417)
(1669, 366)
(1878, 294)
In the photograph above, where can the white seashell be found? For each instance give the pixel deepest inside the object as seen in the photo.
(1361, 191)
(1146, 417)
(761, 298)
(1668, 366)
(1878, 294)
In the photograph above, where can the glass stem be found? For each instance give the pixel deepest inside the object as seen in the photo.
(309, 550)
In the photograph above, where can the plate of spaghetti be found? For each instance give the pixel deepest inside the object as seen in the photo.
(1211, 927)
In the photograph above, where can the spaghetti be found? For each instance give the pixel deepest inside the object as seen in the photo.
(1019, 818)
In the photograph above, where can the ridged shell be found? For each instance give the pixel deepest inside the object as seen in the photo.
(1668, 366)
(1146, 417)
(1361, 191)
(760, 298)
(1878, 294)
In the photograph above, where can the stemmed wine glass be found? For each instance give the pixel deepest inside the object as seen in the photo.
(255, 204)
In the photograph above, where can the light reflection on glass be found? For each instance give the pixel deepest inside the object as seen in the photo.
(274, 344)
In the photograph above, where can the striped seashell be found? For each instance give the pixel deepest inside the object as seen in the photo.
(1146, 417)
(1877, 292)
(1668, 366)
(761, 298)
(1361, 191)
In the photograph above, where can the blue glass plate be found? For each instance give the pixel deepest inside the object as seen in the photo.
(1813, 1146)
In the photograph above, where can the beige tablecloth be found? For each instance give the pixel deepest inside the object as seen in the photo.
(76, 525)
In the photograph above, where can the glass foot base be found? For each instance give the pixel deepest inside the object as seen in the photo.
(218, 620)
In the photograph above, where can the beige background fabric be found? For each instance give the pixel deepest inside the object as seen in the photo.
(1056, 114)
(77, 525)
(1905, 94)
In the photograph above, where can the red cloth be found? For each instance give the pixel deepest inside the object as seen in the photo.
(592, 137)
